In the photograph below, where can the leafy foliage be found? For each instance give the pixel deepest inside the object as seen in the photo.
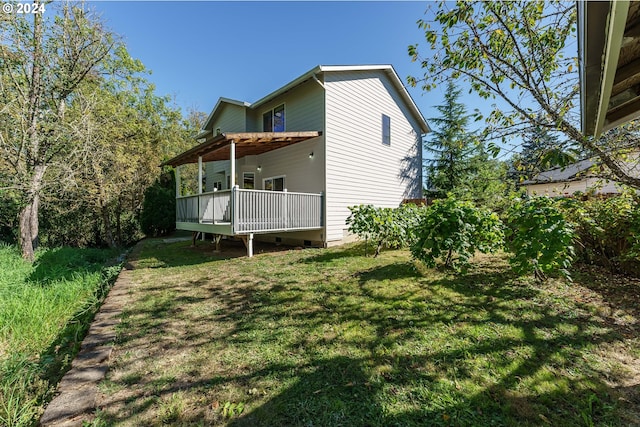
(520, 54)
(386, 227)
(454, 230)
(159, 206)
(539, 237)
(607, 231)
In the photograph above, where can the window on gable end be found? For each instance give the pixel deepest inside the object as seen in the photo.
(386, 130)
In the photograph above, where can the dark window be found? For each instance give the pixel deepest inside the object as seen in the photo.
(274, 184)
(386, 130)
(273, 120)
(267, 121)
(278, 119)
(248, 179)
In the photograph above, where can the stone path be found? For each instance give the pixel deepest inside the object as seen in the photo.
(76, 393)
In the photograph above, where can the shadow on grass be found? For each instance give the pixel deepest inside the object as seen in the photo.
(388, 346)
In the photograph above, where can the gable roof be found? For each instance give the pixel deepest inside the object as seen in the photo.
(313, 73)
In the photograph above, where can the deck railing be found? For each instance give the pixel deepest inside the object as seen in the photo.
(250, 211)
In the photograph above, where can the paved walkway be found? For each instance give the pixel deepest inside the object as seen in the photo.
(76, 393)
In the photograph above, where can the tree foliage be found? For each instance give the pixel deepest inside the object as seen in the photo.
(451, 145)
(521, 54)
(453, 231)
(85, 131)
(158, 215)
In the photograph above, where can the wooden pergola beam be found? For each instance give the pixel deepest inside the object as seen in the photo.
(247, 143)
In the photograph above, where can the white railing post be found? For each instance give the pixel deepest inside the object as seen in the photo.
(285, 209)
(235, 214)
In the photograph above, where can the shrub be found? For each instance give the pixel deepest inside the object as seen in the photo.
(386, 227)
(158, 215)
(539, 237)
(451, 228)
(607, 231)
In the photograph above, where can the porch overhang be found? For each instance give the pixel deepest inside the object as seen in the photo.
(609, 49)
(246, 144)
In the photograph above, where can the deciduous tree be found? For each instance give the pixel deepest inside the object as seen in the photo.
(44, 58)
(521, 54)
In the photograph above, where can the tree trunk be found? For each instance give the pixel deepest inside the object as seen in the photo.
(29, 222)
(104, 211)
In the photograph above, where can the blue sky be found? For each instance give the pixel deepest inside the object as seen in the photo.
(202, 50)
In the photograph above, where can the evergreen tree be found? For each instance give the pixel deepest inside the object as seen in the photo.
(451, 146)
(538, 148)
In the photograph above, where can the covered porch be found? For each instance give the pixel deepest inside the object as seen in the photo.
(244, 212)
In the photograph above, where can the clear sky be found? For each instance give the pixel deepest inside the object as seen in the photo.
(202, 50)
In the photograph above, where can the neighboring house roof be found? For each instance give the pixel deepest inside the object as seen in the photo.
(609, 50)
(312, 74)
(572, 172)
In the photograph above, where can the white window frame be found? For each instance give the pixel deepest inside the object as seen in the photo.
(284, 181)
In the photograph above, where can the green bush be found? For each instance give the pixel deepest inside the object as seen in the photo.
(607, 231)
(386, 227)
(453, 231)
(539, 237)
(158, 215)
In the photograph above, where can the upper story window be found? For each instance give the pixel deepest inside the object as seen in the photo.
(273, 120)
(386, 130)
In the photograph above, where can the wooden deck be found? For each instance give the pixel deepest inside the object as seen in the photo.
(240, 212)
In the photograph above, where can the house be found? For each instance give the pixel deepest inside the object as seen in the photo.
(579, 177)
(287, 167)
(567, 181)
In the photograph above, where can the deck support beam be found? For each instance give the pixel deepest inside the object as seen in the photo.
(247, 239)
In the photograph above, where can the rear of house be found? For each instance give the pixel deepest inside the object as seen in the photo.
(346, 135)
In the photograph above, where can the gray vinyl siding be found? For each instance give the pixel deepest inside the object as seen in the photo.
(231, 118)
(304, 109)
(359, 168)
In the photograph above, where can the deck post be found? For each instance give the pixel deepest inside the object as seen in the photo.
(199, 174)
(285, 209)
(232, 157)
(250, 245)
(178, 183)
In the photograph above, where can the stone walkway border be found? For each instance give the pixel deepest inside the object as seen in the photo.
(76, 393)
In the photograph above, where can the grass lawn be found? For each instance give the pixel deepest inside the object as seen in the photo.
(45, 310)
(332, 338)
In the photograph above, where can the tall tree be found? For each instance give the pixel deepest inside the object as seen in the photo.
(451, 146)
(539, 149)
(44, 58)
(519, 53)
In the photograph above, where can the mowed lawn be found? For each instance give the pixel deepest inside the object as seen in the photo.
(333, 338)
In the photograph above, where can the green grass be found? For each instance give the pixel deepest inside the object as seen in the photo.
(329, 337)
(45, 309)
